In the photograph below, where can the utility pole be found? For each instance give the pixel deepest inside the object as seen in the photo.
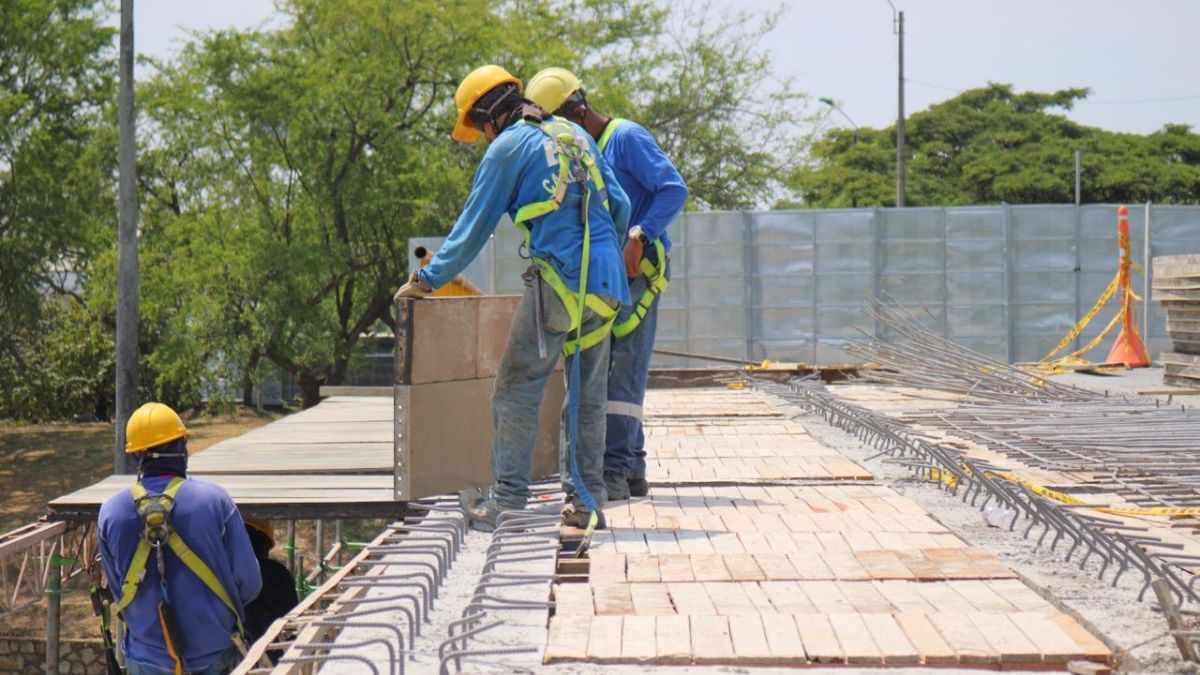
(127, 253)
(1077, 172)
(899, 28)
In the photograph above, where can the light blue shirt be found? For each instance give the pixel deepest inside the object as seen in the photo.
(519, 168)
(656, 191)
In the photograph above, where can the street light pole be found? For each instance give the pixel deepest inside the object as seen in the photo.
(898, 29)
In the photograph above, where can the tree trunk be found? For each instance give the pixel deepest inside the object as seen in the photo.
(310, 390)
(248, 380)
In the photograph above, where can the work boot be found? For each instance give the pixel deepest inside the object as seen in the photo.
(578, 516)
(615, 485)
(481, 512)
(638, 487)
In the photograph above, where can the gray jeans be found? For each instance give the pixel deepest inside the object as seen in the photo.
(520, 385)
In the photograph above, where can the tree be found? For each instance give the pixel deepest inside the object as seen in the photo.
(57, 208)
(992, 144)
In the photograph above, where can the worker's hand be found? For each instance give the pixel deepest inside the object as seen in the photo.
(415, 288)
(633, 257)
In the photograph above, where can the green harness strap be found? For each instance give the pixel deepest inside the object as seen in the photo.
(137, 567)
(571, 154)
(656, 283)
(608, 130)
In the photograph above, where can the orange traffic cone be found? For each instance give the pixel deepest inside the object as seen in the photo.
(1128, 348)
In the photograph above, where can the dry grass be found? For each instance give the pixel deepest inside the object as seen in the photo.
(39, 462)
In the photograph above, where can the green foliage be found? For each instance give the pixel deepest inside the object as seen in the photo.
(991, 145)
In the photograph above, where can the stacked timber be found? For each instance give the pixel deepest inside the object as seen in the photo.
(1177, 286)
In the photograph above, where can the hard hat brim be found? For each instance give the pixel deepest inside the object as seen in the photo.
(131, 448)
(464, 130)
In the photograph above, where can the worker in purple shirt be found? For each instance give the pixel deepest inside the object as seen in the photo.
(657, 194)
(176, 556)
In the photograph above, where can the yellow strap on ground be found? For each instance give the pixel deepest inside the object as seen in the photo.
(949, 478)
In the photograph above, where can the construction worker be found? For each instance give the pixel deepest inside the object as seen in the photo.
(657, 194)
(546, 174)
(278, 594)
(176, 556)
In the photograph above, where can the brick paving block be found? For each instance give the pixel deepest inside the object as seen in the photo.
(711, 641)
(651, 599)
(942, 596)
(826, 596)
(628, 541)
(981, 596)
(864, 597)
(573, 599)
(691, 598)
(694, 539)
(759, 599)
(606, 567)
(783, 640)
(903, 596)
(881, 564)
(612, 599)
(604, 639)
(810, 564)
(1055, 645)
(1015, 591)
(756, 542)
(859, 540)
(775, 566)
(730, 599)
(725, 542)
(567, 639)
(787, 597)
(855, 639)
(964, 638)
(846, 566)
(801, 522)
(925, 638)
(709, 567)
(638, 640)
(1090, 645)
(675, 568)
(749, 639)
(890, 639)
(742, 567)
(661, 543)
(832, 542)
(641, 568)
(1008, 640)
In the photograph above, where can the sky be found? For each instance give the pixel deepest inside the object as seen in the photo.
(1139, 58)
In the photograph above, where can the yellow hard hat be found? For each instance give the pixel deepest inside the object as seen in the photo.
(263, 526)
(481, 80)
(551, 87)
(152, 425)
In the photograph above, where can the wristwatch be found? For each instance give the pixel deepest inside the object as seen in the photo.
(636, 232)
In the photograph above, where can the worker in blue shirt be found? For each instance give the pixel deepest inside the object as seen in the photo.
(657, 194)
(547, 175)
(191, 621)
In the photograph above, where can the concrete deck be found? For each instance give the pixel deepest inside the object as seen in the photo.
(782, 551)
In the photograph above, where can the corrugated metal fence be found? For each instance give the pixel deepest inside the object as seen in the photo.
(788, 285)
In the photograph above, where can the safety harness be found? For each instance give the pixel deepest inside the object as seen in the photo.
(656, 274)
(157, 531)
(575, 164)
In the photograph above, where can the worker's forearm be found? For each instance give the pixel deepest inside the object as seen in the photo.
(668, 202)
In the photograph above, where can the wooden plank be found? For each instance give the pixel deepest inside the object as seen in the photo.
(730, 599)
(691, 598)
(1092, 647)
(604, 639)
(642, 568)
(864, 597)
(855, 639)
(749, 639)
(709, 567)
(568, 638)
(606, 567)
(1055, 645)
(890, 639)
(573, 599)
(787, 598)
(638, 643)
(675, 568)
(925, 638)
(826, 597)
(742, 567)
(673, 640)
(775, 566)
(612, 599)
(711, 641)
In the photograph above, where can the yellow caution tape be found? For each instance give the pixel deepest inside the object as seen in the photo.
(1087, 318)
(950, 479)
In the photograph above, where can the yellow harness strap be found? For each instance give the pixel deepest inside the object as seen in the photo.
(608, 131)
(571, 153)
(137, 567)
(656, 283)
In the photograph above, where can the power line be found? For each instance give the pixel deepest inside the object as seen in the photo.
(1135, 101)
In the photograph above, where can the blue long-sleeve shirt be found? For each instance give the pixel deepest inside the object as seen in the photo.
(519, 168)
(656, 191)
(205, 517)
